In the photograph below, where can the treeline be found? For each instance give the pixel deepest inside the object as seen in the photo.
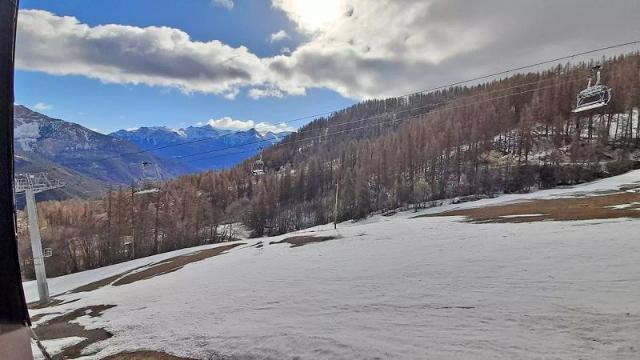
(509, 135)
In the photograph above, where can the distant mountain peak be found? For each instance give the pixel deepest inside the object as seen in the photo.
(201, 138)
(77, 154)
(42, 142)
(197, 131)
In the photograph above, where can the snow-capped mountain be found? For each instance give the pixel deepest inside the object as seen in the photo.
(89, 162)
(201, 147)
(86, 160)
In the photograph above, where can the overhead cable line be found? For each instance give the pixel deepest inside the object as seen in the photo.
(390, 122)
(440, 87)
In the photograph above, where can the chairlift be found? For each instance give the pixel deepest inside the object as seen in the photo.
(258, 168)
(149, 182)
(594, 96)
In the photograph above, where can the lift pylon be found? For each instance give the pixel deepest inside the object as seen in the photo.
(30, 185)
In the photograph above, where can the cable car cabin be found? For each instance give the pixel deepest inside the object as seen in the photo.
(149, 182)
(147, 188)
(258, 168)
(593, 97)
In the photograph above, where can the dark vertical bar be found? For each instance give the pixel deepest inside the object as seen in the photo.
(13, 307)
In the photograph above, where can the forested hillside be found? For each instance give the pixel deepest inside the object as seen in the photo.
(510, 135)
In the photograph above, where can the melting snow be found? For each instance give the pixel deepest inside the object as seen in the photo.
(625, 206)
(391, 287)
(521, 215)
(54, 346)
(26, 135)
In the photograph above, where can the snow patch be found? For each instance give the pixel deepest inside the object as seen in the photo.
(520, 216)
(625, 206)
(27, 134)
(391, 287)
(180, 132)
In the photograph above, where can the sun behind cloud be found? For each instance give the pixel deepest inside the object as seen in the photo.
(312, 15)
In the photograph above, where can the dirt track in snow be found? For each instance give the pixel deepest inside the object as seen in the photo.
(171, 265)
(144, 355)
(297, 241)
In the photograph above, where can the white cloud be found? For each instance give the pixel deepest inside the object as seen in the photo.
(227, 123)
(359, 48)
(381, 48)
(285, 51)
(231, 94)
(312, 15)
(264, 128)
(155, 56)
(279, 36)
(227, 4)
(257, 93)
(42, 106)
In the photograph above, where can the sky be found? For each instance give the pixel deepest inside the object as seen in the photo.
(115, 64)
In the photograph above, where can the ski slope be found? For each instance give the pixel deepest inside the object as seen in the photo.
(389, 288)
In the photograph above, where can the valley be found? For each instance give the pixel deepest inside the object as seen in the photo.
(90, 163)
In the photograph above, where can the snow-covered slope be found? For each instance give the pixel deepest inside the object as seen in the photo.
(395, 287)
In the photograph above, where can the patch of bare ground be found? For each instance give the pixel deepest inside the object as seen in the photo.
(303, 240)
(144, 355)
(171, 265)
(611, 206)
(37, 305)
(52, 302)
(98, 284)
(63, 327)
(102, 282)
(35, 318)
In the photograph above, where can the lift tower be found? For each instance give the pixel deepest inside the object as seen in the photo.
(30, 185)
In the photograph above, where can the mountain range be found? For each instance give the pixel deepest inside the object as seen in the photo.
(89, 162)
(200, 148)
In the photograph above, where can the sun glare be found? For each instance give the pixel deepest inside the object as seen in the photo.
(315, 14)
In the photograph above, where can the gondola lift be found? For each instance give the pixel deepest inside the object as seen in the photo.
(258, 168)
(594, 96)
(149, 182)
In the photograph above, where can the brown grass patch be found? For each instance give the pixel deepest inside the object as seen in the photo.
(98, 284)
(35, 318)
(37, 305)
(144, 355)
(303, 240)
(171, 265)
(563, 209)
(63, 327)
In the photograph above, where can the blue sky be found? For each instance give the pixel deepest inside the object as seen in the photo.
(108, 107)
(113, 64)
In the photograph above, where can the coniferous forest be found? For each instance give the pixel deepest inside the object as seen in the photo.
(514, 134)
